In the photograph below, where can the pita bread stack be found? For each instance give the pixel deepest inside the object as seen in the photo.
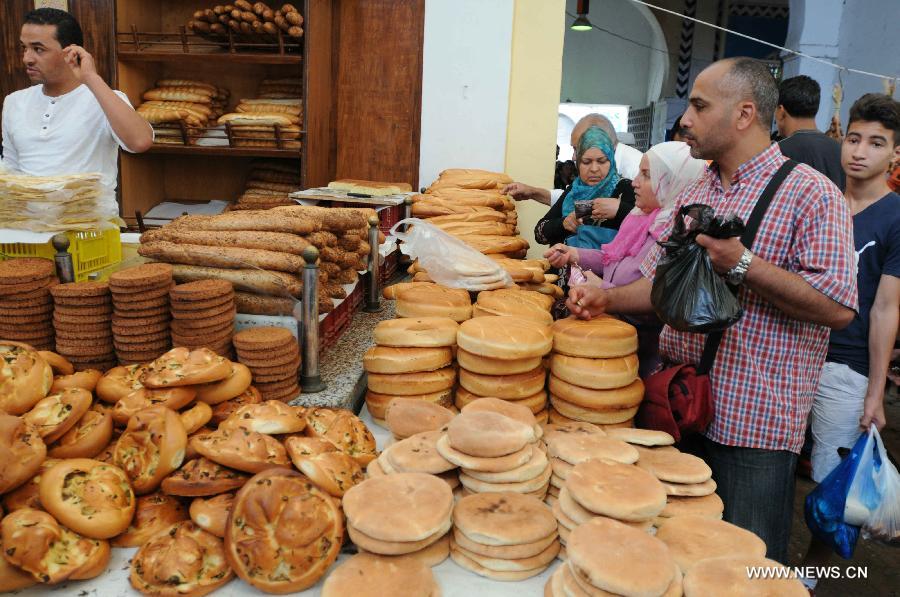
(692, 539)
(503, 536)
(415, 454)
(727, 575)
(601, 487)
(606, 557)
(412, 358)
(553, 431)
(496, 453)
(594, 372)
(406, 417)
(402, 514)
(501, 357)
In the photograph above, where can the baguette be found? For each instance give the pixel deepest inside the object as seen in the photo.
(247, 119)
(175, 94)
(333, 218)
(286, 102)
(347, 276)
(224, 257)
(427, 209)
(332, 269)
(256, 304)
(492, 200)
(264, 221)
(320, 239)
(203, 109)
(350, 242)
(334, 290)
(248, 280)
(155, 115)
(284, 187)
(478, 216)
(187, 83)
(267, 241)
(283, 81)
(256, 205)
(480, 228)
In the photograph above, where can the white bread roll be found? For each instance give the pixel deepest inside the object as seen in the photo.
(434, 301)
(599, 338)
(418, 332)
(505, 337)
(598, 374)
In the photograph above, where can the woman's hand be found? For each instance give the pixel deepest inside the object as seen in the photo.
(605, 209)
(571, 223)
(587, 302)
(559, 255)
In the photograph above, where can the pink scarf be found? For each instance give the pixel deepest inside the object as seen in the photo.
(630, 239)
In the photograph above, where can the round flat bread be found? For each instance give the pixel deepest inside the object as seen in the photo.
(620, 491)
(529, 486)
(489, 465)
(400, 507)
(511, 565)
(505, 337)
(642, 437)
(578, 448)
(418, 454)
(605, 417)
(603, 337)
(690, 489)
(488, 434)
(507, 552)
(513, 410)
(369, 575)
(614, 557)
(472, 566)
(530, 470)
(406, 417)
(673, 466)
(503, 519)
(430, 556)
(416, 332)
(694, 538)
(561, 468)
(396, 548)
(727, 575)
(710, 506)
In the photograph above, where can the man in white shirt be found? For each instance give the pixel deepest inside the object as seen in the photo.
(69, 121)
(628, 161)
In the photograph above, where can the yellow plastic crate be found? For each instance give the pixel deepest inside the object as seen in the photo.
(91, 251)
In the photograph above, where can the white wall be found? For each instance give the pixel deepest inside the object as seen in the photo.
(465, 85)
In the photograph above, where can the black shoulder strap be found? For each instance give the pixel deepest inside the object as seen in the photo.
(711, 347)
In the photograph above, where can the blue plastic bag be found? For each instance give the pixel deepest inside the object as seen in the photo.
(873, 501)
(824, 506)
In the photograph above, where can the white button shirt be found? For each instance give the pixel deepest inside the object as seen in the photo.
(68, 134)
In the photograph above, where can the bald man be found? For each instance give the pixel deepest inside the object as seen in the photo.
(628, 160)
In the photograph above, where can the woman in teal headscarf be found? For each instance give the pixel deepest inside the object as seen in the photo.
(598, 183)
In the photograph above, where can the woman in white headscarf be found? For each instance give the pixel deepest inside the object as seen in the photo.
(665, 171)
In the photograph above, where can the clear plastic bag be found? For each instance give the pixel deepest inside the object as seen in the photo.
(873, 501)
(687, 293)
(448, 260)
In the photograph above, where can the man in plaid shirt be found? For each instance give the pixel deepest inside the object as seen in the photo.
(798, 283)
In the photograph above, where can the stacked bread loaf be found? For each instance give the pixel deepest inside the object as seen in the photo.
(203, 315)
(434, 300)
(25, 301)
(415, 454)
(503, 536)
(412, 358)
(140, 322)
(399, 514)
(174, 102)
(259, 252)
(268, 185)
(255, 21)
(594, 372)
(496, 452)
(501, 357)
(273, 356)
(525, 304)
(82, 319)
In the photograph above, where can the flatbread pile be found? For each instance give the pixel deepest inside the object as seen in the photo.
(416, 454)
(56, 203)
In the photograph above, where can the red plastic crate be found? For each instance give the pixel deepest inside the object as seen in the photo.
(389, 267)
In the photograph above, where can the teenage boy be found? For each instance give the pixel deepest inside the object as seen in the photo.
(851, 390)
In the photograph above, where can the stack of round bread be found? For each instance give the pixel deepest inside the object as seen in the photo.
(501, 357)
(82, 316)
(406, 417)
(503, 536)
(606, 557)
(594, 372)
(371, 575)
(570, 435)
(434, 300)
(415, 454)
(401, 514)
(140, 322)
(26, 308)
(412, 358)
(273, 356)
(203, 315)
(496, 453)
(525, 304)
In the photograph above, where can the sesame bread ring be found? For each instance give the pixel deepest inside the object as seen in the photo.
(416, 332)
(58, 363)
(203, 477)
(185, 561)
(283, 532)
(57, 413)
(234, 385)
(154, 512)
(26, 377)
(118, 382)
(270, 416)
(87, 438)
(49, 551)
(88, 496)
(211, 514)
(86, 379)
(151, 447)
(241, 449)
(182, 367)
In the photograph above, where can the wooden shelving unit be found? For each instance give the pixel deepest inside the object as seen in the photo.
(203, 173)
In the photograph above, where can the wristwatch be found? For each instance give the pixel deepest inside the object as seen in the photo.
(735, 275)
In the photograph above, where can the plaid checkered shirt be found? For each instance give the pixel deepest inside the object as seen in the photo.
(767, 368)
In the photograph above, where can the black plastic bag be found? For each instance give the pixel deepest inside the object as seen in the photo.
(687, 293)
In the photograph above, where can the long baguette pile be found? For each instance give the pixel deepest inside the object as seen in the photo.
(259, 252)
(272, 119)
(268, 185)
(176, 101)
(254, 21)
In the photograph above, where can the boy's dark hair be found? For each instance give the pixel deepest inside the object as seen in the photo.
(800, 96)
(68, 31)
(877, 107)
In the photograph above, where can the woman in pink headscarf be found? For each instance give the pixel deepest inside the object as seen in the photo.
(665, 171)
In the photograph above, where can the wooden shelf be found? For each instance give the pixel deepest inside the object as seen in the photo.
(217, 57)
(237, 152)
